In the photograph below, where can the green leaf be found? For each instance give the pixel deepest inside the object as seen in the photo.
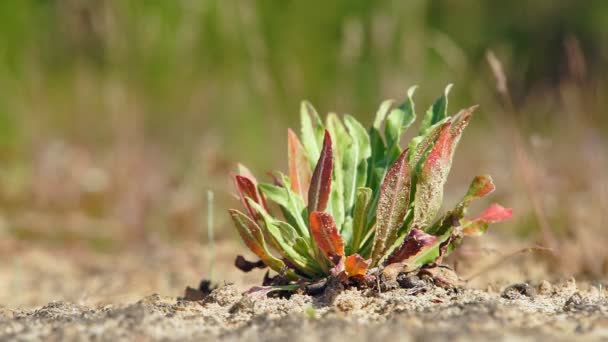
(437, 112)
(291, 204)
(381, 113)
(378, 147)
(342, 143)
(253, 237)
(355, 161)
(398, 121)
(283, 237)
(312, 132)
(364, 197)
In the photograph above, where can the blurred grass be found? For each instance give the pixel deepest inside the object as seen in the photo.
(116, 116)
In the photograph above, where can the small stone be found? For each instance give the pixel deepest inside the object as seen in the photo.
(574, 303)
(441, 276)
(193, 295)
(409, 281)
(545, 288)
(516, 291)
(388, 285)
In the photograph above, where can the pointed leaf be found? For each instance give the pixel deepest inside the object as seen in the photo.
(378, 147)
(342, 143)
(364, 197)
(291, 204)
(355, 161)
(393, 203)
(247, 189)
(434, 172)
(437, 112)
(325, 234)
(381, 113)
(245, 172)
(481, 186)
(397, 122)
(420, 249)
(320, 185)
(415, 242)
(421, 145)
(253, 237)
(312, 131)
(299, 167)
(479, 225)
(355, 265)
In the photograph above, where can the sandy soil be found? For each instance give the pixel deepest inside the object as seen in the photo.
(562, 312)
(72, 294)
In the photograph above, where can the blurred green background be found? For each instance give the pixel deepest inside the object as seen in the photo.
(116, 116)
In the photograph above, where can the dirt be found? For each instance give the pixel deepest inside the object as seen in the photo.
(556, 312)
(54, 294)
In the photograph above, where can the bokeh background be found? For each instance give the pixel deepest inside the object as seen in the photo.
(118, 116)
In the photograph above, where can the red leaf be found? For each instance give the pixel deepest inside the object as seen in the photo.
(440, 156)
(247, 189)
(325, 234)
(495, 213)
(434, 173)
(355, 265)
(478, 225)
(299, 170)
(441, 151)
(415, 242)
(392, 205)
(320, 185)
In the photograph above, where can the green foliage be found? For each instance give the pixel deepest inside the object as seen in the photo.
(367, 204)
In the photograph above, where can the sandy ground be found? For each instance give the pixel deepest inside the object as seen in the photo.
(556, 313)
(57, 294)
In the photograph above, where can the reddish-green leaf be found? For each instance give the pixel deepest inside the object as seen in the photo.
(414, 243)
(355, 265)
(253, 237)
(299, 169)
(434, 173)
(392, 205)
(480, 187)
(247, 189)
(325, 234)
(479, 225)
(320, 184)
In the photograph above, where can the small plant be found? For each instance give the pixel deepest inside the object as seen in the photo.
(355, 203)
